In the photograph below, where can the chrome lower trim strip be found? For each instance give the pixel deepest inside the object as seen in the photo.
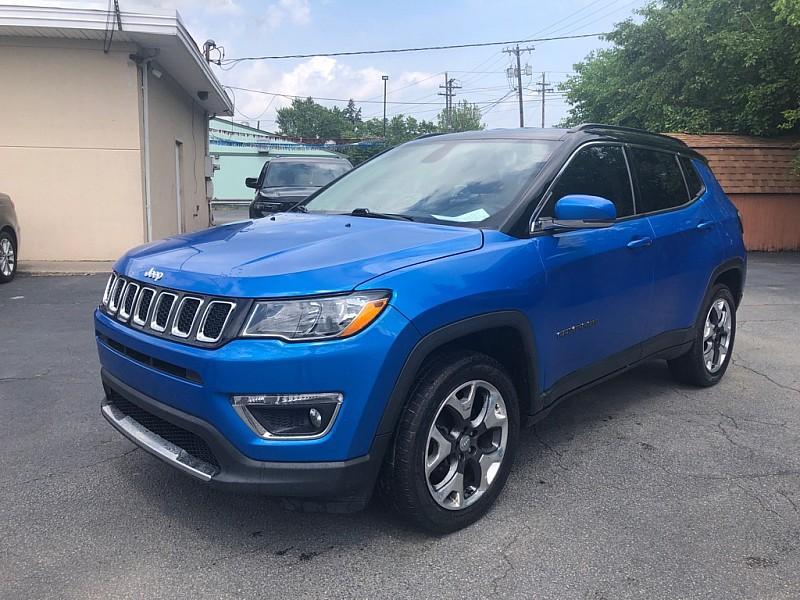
(158, 446)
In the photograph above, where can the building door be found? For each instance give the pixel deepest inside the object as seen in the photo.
(179, 184)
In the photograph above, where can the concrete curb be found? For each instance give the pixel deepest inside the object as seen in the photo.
(66, 267)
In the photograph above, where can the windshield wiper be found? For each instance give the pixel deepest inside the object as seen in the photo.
(365, 212)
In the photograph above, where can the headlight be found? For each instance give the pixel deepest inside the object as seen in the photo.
(315, 318)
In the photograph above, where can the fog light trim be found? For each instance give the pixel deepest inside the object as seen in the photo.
(241, 404)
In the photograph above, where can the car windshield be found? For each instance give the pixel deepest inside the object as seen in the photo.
(298, 174)
(455, 181)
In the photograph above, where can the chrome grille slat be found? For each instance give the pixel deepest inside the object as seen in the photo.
(159, 323)
(217, 330)
(128, 301)
(109, 286)
(143, 306)
(185, 316)
(116, 295)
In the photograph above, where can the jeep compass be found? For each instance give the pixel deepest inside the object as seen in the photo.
(397, 329)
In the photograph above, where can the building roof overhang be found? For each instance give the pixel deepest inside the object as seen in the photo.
(160, 34)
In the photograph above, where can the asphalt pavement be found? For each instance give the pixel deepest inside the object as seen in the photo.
(639, 488)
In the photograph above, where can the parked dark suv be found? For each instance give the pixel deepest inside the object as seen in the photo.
(399, 328)
(9, 239)
(286, 181)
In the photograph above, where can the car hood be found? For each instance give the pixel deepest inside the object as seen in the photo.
(294, 254)
(286, 192)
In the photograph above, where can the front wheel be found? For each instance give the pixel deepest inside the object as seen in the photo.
(707, 360)
(455, 443)
(8, 257)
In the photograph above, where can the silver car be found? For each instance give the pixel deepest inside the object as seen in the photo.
(9, 239)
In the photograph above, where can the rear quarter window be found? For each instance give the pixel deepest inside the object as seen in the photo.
(660, 181)
(693, 181)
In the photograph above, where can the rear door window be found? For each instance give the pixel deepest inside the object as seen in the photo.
(596, 170)
(660, 181)
(693, 181)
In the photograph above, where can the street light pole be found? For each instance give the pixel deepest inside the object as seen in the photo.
(385, 79)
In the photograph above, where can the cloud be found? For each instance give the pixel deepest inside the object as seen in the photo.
(322, 77)
(296, 12)
(230, 7)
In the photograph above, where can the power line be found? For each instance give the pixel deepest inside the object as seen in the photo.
(229, 61)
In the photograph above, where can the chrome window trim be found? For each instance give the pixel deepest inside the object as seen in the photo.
(135, 313)
(201, 337)
(155, 326)
(259, 430)
(112, 306)
(135, 287)
(176, 317)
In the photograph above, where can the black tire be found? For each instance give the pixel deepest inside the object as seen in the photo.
(403, 484)
(691, 368)
(6, 236)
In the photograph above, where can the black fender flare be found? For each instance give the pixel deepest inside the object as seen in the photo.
(436, 339)
(732, 264)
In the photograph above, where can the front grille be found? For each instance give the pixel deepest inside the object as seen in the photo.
(214, 321)
(163, 310)
(183, 317)
(143, 306)
(127, 304)
(190, 442)
(187, 312)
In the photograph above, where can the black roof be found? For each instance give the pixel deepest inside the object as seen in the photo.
(306, 159)
(582, 132)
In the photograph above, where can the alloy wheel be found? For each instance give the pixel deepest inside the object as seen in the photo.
(466, 444)
(7, 257)
(717, 335)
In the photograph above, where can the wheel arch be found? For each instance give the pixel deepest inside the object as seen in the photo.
(504, 335)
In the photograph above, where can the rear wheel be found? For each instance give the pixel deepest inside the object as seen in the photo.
(455, 443)
(707, 360)
(8, 257)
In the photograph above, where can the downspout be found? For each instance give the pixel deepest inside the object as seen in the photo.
(148, 211)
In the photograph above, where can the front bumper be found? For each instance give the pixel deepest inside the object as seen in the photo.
(200, 382)
(226, 467)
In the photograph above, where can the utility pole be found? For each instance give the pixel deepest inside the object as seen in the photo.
(385, 79)
(516, 73)
(450, 84)
(543, 89)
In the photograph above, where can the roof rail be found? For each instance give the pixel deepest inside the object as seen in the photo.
(589, 126)
(427, 135)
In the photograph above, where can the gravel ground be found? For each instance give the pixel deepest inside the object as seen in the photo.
(640, 488)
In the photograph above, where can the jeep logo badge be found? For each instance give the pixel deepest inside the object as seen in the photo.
(153, 274)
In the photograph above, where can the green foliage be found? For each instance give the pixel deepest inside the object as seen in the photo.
(464, 116)
(698, 66)
(312, 121)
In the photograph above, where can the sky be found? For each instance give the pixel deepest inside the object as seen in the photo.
(277, 27)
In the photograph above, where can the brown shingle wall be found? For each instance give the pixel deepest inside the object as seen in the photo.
(749, 165)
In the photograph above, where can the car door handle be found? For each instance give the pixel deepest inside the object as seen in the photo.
(705, 225)
(640, 242)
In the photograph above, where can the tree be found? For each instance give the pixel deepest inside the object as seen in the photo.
(695, 65)
(464, 116)
(307, 119)
(353, 116)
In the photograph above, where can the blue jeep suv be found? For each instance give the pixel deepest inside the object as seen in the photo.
(396, 329)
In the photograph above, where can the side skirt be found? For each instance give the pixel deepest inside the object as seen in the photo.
(668, 345)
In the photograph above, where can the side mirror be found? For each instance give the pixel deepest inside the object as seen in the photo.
(579, 211)
(251, 182)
